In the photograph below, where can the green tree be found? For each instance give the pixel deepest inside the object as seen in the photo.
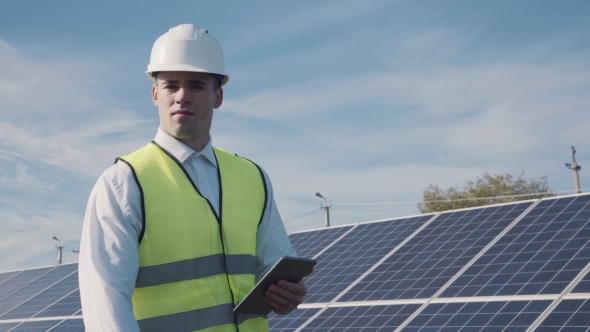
(487, 189)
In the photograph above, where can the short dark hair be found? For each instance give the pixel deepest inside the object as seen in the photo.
(218, 78)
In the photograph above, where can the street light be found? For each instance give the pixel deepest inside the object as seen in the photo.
(575, 167)
(59, 248)
(326, 207)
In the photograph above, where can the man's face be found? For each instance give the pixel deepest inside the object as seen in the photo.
(185, 102)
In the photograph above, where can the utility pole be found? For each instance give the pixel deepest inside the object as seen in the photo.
(326, 207)
(59, 249)
(575, 167)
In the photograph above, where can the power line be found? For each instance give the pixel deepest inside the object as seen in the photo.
(364, 210)
(288, 215)
(301, 216)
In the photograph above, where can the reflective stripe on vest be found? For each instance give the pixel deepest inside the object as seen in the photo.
(182, 278)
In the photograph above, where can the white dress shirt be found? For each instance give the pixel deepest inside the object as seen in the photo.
(109, 258)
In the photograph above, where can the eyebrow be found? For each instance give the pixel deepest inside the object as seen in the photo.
(192, 81)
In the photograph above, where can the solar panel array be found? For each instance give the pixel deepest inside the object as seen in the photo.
(44, 299)
(521, 266)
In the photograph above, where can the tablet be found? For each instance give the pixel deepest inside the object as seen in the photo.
(291, 269)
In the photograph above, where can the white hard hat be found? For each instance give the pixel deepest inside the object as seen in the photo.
(187, 48)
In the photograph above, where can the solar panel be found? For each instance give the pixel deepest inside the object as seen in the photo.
(45, 298)
(353, 255)
(432, 257)
(542, 254)
(5, 327)
(309, 244)
(7, 275)
(70, 325)
(505, 267)
(290, 322)
(583, 286)
(569, 315)
(69, 305)
(478, 316)
(36, 326)
(31, 289)
(24, 277)
(361, 318)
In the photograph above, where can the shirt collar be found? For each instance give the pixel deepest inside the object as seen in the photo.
(181, 151)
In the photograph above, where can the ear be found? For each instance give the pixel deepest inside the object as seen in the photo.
(155, 94)
(219, 97)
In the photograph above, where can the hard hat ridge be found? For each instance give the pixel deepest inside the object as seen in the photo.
(187, 47)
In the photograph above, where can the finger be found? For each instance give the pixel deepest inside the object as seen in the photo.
(298, 288)
(279, 304)
(287, 295)
(278, 309)
(284, 297)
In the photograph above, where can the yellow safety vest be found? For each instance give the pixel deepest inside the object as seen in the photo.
(194, 265)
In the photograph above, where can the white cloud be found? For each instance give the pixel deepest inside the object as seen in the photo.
(27, 239)
(53, 128)
(302, 21)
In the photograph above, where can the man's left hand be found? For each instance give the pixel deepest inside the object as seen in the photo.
(285, 296)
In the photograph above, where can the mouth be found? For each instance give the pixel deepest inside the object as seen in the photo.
(182, 113)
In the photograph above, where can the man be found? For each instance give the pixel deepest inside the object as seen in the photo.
(177, 232)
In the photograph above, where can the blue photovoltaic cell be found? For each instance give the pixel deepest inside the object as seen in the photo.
(290, 322)
(70, 325)
(583, 286)
(36, 326)
(67, 306)
(7, 275)
(478, 316)
(362, 318)
(354, 254)
(4, 327)
(542, 254)
(432, 257)
(42, 300)
(309, 244)
(24, 277)
(569, 315)
(24, 293)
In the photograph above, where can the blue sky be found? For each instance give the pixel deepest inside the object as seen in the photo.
(364, 101)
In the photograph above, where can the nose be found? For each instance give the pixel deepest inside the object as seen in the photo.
(181, 96)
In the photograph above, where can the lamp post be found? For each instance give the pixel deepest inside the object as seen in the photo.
(575, 167)
(59, 248)
(326, 207)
